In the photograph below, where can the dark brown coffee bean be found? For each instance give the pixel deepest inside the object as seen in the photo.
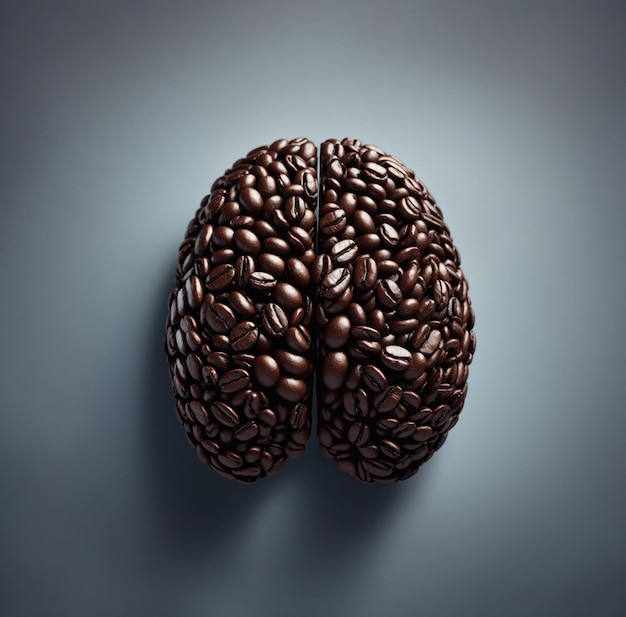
(262, 281)
(333, 222)
(292, 364)
(298, 339)
(221, 277)
(247, 431)
(358, 433)
(390, 448)
(365, 273)
(244, 267)
(389, 235)
(220, 318)
(246, 241)
(234, 380)
(291, 389)
(299, 416)
(230, 460)
(244, 336)
(199, 412)
(274, 319)
(335, 283)
(266, 371)
(396, 358)
(344, 251)
(241, 304)
(337, 332)
(222, 237)
(288, 296)
(387, 399)
(298, 272)
(388, 293)
(224, 414)
(365, 333)
(334, 369)
(374, 378)
(251, 200)
(409, 208)
(267, 262)
(194, 366)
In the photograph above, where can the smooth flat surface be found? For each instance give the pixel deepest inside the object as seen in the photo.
(117, 117)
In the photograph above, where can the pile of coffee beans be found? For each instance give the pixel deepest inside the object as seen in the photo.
(377, 305)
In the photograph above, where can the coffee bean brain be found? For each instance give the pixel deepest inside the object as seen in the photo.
(354, 280)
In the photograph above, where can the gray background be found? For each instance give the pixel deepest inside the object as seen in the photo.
(116, 118)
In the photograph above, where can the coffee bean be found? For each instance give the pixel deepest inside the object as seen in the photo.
(274, 319)
(241, 304)
(292, 363)
(267, 262)
(220, 317)
(358, 433)
(199, 412)
(396, 358)
(291, 389)
(247, 431)
(374, 378)
(247, 242)
(244, 336)
(335, 283)
(389, 235)
(251, 200)
(337, 332)
(288, 296)
(221, 277)
(234, 380)
(299, 416)
(365, 273)
(230, 460)
(298, 339)
(387, 399)
(334, 369)
(344, 251)
(333, 222)
(266, 371)
(388, 293)
(224, 414)
(298, 273)
(262, 281)
(389, 448)
(299, 239)
(365, 333)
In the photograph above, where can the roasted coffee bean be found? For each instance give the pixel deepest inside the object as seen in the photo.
(334, 369)
(220, 317)
(274, 319)
(292, 363)
(247, 242)
(262, 281)
(365, 273)
(344, 251)
(335, 283)
(388, 293)
(234, 380)
(291, 389)
(251, 200)
(298, 339)
(243, 336)
(220, 277)
(288, 296)
(333, 222)
(374, 378)
(298, 273)
(224, 414)
(337, 332)
(266, 370)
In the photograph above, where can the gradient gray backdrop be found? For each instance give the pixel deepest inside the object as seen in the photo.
(117, 117)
